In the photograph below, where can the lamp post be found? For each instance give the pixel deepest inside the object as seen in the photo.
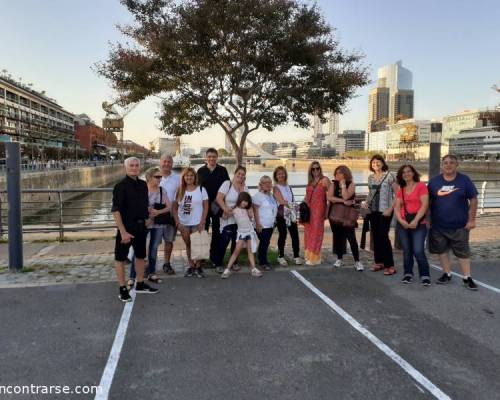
(435, 149)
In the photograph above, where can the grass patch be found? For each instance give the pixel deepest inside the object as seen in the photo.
(272, 257)
(28, 269)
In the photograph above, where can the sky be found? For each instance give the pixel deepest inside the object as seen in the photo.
(452, 48)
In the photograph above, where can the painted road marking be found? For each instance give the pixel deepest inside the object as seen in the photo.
(479, 283)
(407, 367)
(116, 349)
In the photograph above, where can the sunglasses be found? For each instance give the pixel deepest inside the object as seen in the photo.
(157, 176)
(315, 169)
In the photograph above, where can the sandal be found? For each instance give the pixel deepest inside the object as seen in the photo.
(130, 284)
(154, 278)
(377, 267)
(389, 271)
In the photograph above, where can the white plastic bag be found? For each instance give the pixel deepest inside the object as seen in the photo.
(200, 245)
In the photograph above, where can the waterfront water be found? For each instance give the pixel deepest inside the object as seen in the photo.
(94, 208)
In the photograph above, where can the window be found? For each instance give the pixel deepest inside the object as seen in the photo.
(35, 106)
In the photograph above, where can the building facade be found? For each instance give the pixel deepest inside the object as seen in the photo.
(483, 142)
(93, 138)
(349, 140)
(393, 98)
(33, 119)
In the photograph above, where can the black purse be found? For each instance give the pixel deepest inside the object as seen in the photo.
(408, 216)
(304, 210)
(165, 218)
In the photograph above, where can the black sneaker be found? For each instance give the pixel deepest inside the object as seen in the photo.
(445, 278)
(167, 268)
(426, 282)
(189, 273)
(124, 295)
(198, 272)
(219, 269)
(143, 287)
(469, 283)
(407, 279)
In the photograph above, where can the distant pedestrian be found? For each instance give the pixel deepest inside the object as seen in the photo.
(190, 210)
(412, 203)
(287, 217)
(453, 205)
(317, 187)
(211, 176)
(130, 211)
(243, 215)
(343, 191)
(170, 183)
(382, 186)
(159, 208)
(227, 197)
(265, 211)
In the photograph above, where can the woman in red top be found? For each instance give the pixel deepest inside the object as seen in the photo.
(412, 202)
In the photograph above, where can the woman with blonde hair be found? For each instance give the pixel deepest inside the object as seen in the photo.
(317, 187)
(190, 212)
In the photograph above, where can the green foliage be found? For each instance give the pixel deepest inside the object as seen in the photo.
(233, 63)
(272, 257)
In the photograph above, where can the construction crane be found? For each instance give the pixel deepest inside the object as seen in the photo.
(113, 121)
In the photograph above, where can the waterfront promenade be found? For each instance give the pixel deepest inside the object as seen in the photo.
(296, 333)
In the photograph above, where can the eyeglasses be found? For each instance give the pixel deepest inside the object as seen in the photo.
(157, 176)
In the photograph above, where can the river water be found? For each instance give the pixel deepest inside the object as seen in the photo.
(94, 208)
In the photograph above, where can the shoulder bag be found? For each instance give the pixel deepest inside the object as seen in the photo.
(165, 218)
(367, 211)
(215, 208)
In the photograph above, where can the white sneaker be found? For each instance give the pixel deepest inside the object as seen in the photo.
(338, 264)
(298, 261)
(226, 273)
(309, 262)
(282, 262)
(359, 266)
(256, 273)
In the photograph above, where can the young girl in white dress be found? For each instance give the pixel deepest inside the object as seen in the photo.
(246, 235)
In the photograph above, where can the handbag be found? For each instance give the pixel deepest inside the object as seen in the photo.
(281, 207)
(200, 245)
(367, 211)
(215, 208)
(304, 210)
(340, 214)
(165, 218)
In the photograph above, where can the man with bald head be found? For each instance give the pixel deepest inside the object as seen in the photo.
(169, 184)
(130, 211)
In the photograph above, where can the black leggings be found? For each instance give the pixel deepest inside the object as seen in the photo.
(294, 234)
(340, 236)
(379, 231)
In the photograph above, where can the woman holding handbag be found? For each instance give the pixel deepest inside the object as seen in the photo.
(314, 229)
(412, 202)
(343, 216)
(380, 206)
(159, 209)
(286, 218)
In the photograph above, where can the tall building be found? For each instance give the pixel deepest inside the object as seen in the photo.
(333, 124)
(393, 98)
(34, 119)
(350, 140)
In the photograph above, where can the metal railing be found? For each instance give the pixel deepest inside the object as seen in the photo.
(76, 210)
(40, 166)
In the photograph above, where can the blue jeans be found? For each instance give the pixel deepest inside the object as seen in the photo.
(155, 236)
(264, 240)
(412, 241)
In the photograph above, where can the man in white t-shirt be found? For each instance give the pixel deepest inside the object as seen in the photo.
(169, 184)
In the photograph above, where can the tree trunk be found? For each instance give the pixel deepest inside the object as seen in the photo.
(238, 153)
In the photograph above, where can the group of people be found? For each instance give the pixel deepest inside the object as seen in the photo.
(207, 199)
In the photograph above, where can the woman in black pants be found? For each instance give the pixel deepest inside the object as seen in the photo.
(380, 201)
(286, 218)
(343, 191)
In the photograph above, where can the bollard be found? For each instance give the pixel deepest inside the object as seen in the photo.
(15, 224)
(435, 150)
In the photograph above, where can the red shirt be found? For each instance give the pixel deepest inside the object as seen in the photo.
(412, 200)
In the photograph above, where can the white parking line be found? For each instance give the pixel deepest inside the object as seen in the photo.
(407, 367)
(479, 283)
(114, 355)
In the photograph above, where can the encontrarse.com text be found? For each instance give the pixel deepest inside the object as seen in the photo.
(48, 389)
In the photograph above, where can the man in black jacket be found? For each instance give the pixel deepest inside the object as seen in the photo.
(131, 210)
(211, 176)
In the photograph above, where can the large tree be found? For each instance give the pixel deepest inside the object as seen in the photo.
(246, 64)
